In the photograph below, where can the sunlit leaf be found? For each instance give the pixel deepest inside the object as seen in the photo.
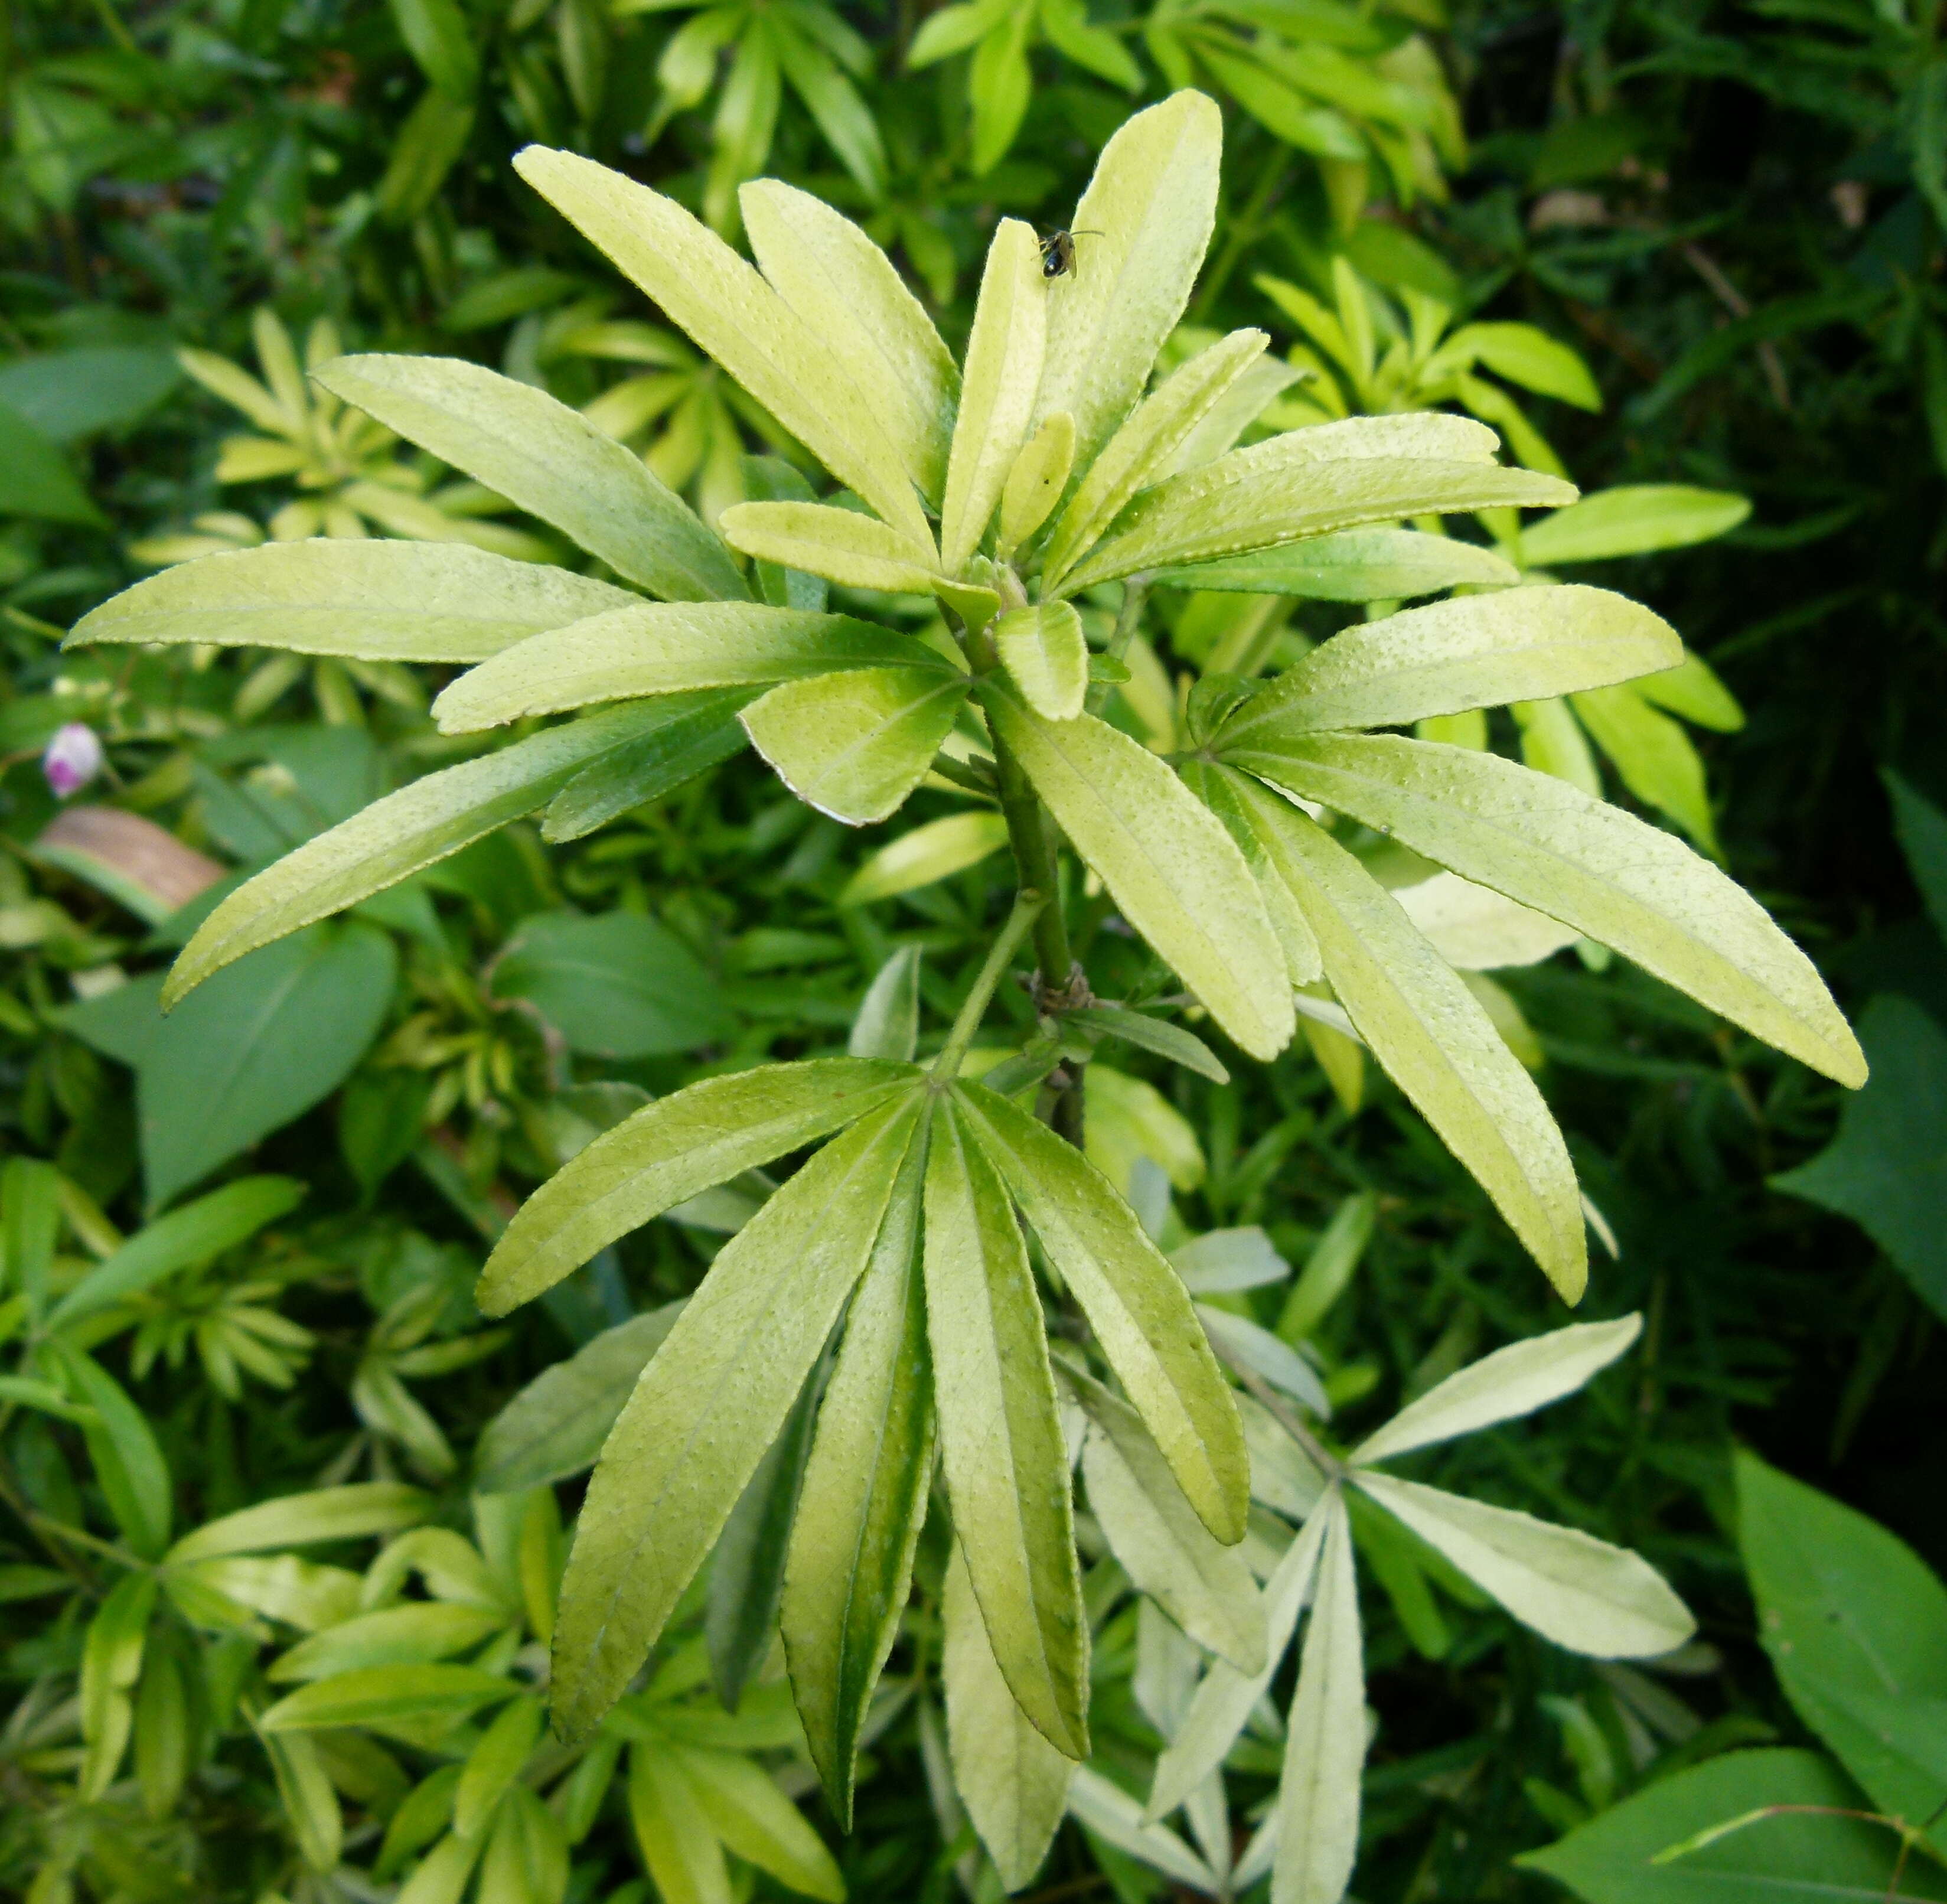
(1571, 1588)
(522, 444)
(1001, 1440)
(708, 1405)
(1551, 848)
(374, 600)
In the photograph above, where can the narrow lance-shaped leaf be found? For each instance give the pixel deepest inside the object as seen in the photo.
(887, 1024)
(1512, 1381)
(1314, 482)
(1571, 1588)
(698, 731)
(935, 851)
(747, 1570)
(1428, 1031)
(709, 1403)
(111, 1662)
(128, 1459)
(1260, 838)
(381, 1696)
(1013, 1782)
(1001, 1439)
(1325, 1741)
(735, 316)
(394, 837)
(1151, 433)
(997, 398)
(760, 1824)
(549, 461)
(1152, 202)
(1482, 651)
(1172, 870)
(684, 1855)
(1045, 650)
(1631, 521)
(345, 1513)
(370, 600)
(418, 1632)
(1589, 865)
(663, 648)
(845, 289)
(855, 744)
(1035, 482)
(1152, 1529)
(193, 1234)
(556, 1425)
(854, 551)
(864, 1498)
(1135, 1303)
(1354, 565)
(1225, 1697)
(670, 1151)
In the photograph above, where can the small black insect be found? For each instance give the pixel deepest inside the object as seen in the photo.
(1057, 253)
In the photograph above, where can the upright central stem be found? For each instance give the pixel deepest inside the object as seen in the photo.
(1034, 858)
(1026, 907)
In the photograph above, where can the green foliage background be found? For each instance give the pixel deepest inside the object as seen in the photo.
(1735, 212)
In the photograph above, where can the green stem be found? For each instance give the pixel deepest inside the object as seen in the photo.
(1034, 857)
(1028, 906)
(1128, 619)
(1328, 1463)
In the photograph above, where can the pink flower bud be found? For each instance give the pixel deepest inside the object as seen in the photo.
(73, 758)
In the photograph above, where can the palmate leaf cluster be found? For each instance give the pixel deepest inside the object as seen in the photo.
(1003, 491)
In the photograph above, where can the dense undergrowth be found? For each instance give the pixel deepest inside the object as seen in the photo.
(1727, 219)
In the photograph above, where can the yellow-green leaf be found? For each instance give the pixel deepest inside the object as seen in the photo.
(1035, 482)
(371, 600)
(1654, 757)
(1571, 1588)
(549, 461)
(1482, 651)
(1313, 482)
(1135, 457)
(1325, 1743)
(1153, 201)
(1014, 1783)
(855, 744)
(710, 1403)
(759, 1824)
(387, 1695)
(1440, 1047)
(1152, 1529)
(670, 1151)
(1591, 865)
(854, 550)
(935, 851)
(1045, 652)
(1001, 1439)
(395, 836)
(1170, 866)
(1004, 367)
(1354, 565)
(1136, 1304)
(863, 1500)
(1236, 800)
(665, 647)
(1631, 521)
(735, 316)
(845, 289)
